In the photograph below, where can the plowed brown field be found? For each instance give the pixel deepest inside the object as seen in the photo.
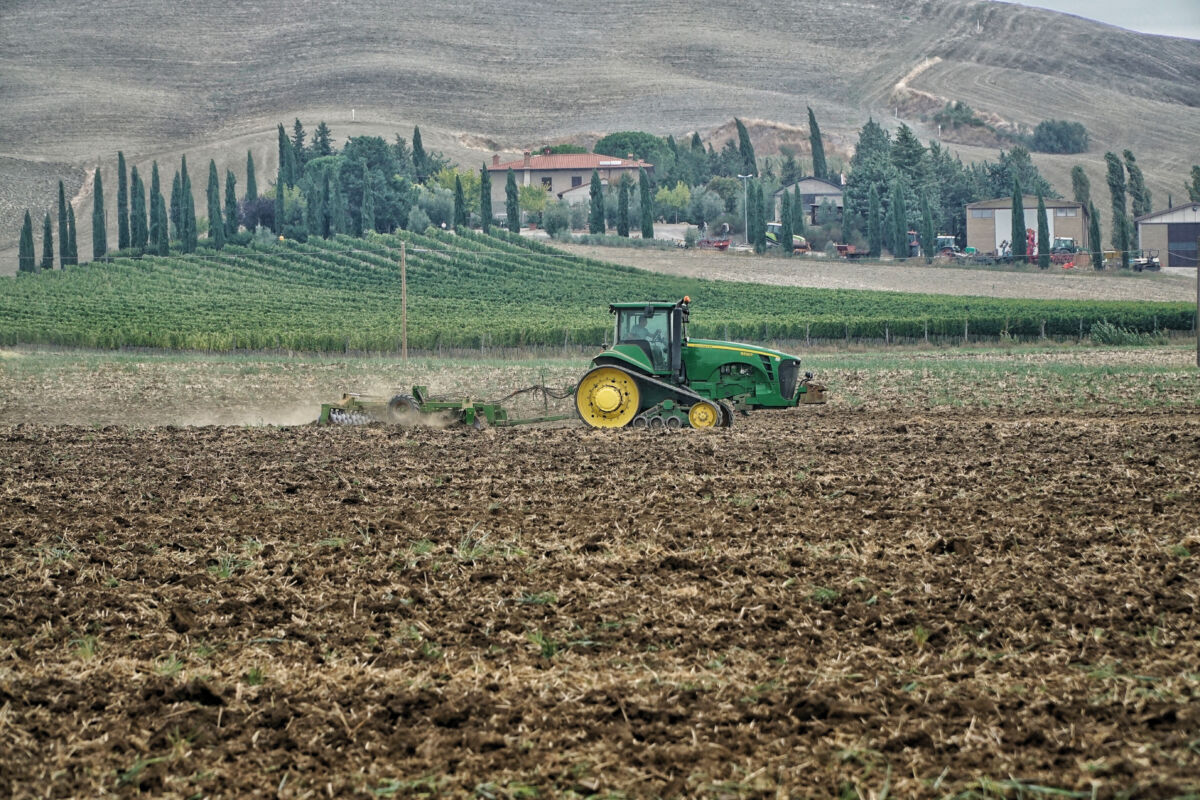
(816, 602)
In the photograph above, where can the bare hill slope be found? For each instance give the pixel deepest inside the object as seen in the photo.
(156, 79)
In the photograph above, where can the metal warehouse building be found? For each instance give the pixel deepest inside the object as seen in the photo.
(989, 222)
(1172, 233)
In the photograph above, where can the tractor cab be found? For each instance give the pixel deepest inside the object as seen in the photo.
(649, 335)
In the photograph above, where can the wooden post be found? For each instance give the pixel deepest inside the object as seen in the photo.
(403, 304)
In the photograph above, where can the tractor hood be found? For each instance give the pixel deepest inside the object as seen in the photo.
(743, 349)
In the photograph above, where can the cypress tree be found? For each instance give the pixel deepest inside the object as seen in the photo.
(1116, 188)
(216, 220)
(251, 182)
(485, 198)
(1043, 234)
(785, 224)
(511, 208)
(231, 204)
(799, 218)
(1018, 223)
(760, 233)
(420, 160)
(122, 204)
(73, 250)
(928, 234)
(284, 145)
(746, 149)
(298, 144)
(874, 224)
(137, 211)
(279, 188)
(595, 205)
(820, 169)
(176, 231)
(623, 209)
(338, 220)
(157, 222)
(316, 207)
(460, 206)
(187, 199)
(1094, 237)
(899, 222)
(64, 241)
(164, 239)
(25, 258)
(647, 204)
(47, 244)
(99, 234)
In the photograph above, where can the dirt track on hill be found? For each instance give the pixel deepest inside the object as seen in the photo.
(814, 600)
(899, 277)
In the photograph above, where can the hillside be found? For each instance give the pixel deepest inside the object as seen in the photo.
(211, 79)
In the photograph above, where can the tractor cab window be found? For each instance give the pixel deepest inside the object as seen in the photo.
(650, 331)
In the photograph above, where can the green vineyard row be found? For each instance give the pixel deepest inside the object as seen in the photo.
(474, 290)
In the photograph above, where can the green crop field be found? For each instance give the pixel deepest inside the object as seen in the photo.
(475, 290)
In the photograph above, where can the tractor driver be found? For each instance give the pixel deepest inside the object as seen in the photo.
(639, 329)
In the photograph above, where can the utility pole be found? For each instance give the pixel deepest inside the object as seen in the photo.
(403, 305)
(746, 206)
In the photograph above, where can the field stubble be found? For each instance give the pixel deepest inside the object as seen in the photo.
(865, 596)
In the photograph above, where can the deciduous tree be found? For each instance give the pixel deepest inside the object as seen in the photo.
(367, 207)
(1139, 193)
(1116, 189)
(1193, 188)
(1081, 187)
(874, 225)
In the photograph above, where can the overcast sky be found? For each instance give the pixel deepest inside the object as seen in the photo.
(1165, 17)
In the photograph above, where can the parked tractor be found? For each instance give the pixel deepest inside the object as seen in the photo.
(654, 375)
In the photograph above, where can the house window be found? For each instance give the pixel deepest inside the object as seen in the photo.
(983, 213)
(577, 180)
(547, 184)
(1066, 212)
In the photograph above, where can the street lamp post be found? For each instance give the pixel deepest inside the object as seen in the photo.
(746, 206)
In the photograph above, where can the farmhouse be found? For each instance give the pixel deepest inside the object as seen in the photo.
(989, 222)
(813, 192)
(560, 173)
(1172, 233)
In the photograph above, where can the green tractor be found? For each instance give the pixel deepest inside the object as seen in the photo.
(654, 376)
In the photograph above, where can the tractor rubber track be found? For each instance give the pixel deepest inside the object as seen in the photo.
(685, 396)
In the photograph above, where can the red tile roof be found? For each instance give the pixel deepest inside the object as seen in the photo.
(571, 161)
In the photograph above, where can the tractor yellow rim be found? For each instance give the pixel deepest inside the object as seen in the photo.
(703, 415)
(607, 398)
